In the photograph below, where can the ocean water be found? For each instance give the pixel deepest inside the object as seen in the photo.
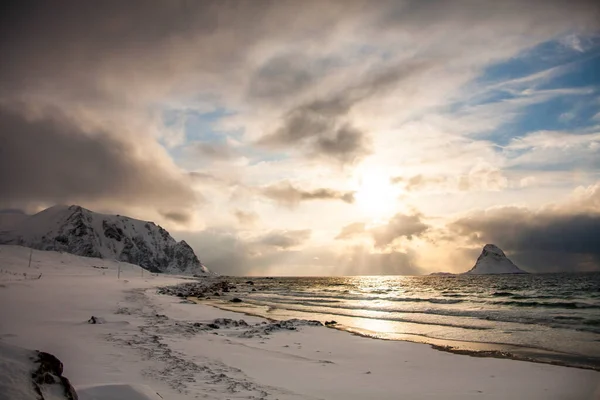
(547, 317)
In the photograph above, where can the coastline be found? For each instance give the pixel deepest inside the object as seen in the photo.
(183, 350)
(466, 348)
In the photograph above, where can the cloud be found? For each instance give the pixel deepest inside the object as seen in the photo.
(316, 84)
(203, 177)
(247, 219)
(400, 225)
(281, 77)
(585, 199)
(553, 139)
(176, 216)
(228, 253)
(567, 151)
(284, 239)
(286, 194)
(323, 135)
(481, 177)
(214, 151)
(558, 237)
(360, 260)
(322, 124)
(352, 230)
(50, 160)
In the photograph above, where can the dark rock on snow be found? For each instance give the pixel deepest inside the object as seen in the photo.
(50, 372)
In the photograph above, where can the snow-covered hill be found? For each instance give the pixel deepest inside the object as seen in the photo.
(76, 230)
(493, 261)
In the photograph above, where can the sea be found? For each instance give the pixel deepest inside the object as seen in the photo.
(552, 318)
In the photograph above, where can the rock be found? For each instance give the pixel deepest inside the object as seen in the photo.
(250, 283)
(330, 323)
(236, 300)
(50, 372)
(32, 375)
(287, 325)
(493, 261)
(254, 290)
(96, 320)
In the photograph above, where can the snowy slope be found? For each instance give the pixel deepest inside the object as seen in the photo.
(31, 375)
(75, 230)
(493, 261)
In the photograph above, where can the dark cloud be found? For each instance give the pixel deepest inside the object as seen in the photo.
(285, 193)
(177, 216)
(351, 230)
(282, 76)
(324, 136)
(284, 239)
(545, 241)
(322, 125)
(400, 225)
(50, 160)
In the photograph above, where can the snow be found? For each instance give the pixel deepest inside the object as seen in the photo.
(82, 232)
(493, 261)
(16, 367)
(155, 346)
(117, 392)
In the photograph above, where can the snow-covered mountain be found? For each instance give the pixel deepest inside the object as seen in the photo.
(493, 261)
(75, 230)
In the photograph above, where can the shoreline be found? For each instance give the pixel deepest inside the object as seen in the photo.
(182, 350)
(466, 348)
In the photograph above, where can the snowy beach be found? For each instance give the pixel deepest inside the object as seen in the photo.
(170, 348)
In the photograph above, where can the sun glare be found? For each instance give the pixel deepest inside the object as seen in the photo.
(376, 196)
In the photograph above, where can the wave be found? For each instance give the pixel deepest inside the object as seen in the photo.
(563, 304)
(521, 297)
(324, 298)
(562, 317)
(340, 312)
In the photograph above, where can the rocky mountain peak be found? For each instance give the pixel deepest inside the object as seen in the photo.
(79, 231)
(492, 260)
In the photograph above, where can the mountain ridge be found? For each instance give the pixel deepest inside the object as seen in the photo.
(76, 230)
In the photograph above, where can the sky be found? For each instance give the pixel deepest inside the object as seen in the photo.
(314, 137)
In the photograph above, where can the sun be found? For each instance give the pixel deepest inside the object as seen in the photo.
(376, 197)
